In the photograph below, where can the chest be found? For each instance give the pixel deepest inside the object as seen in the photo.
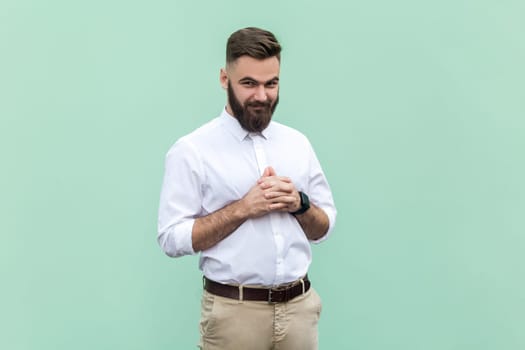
(231, 170)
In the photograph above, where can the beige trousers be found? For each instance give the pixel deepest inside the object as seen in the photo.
(229, 324)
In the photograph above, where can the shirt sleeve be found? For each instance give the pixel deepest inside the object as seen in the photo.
(320, 194)
(180, 199)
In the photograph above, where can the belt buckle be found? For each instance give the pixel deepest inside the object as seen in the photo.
(270, 301)
(271, 291)
(281, 290)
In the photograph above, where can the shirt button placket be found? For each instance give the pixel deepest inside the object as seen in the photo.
(262, 163)
(279, 241)
(259, 152)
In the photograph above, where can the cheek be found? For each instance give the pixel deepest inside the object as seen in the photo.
(272, 94)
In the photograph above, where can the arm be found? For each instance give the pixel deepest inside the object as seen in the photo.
(314, 222)
(213, 228)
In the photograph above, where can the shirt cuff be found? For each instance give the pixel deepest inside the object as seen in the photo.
(331, 223)
(178, 242)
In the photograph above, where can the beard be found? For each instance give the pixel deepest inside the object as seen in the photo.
(253, 116)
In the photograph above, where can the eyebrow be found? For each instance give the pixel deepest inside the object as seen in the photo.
(252, 79)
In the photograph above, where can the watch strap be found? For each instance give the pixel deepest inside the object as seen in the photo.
(305, 204)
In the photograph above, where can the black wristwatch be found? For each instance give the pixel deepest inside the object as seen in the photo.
(305, 204)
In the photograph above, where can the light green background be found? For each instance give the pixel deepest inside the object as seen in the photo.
(415, 108)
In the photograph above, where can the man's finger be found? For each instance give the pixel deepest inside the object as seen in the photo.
(278, 206)
(268, 171)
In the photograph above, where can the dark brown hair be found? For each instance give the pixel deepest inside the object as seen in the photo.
(254, 42)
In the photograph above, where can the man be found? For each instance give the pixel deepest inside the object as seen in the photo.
(249, 194)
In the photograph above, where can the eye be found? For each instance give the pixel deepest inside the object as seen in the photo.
(249, 83)
(272, 84)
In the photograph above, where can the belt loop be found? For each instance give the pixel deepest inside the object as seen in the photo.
(302, 283)
(241, 293)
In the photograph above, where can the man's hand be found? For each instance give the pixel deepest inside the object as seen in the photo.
(260, 200)
(283, 196)
(270, 193)
(279, 191)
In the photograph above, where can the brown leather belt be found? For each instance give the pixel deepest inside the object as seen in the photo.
(271, 295)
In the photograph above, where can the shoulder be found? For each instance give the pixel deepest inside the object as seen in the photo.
(203, 132)
(196, 138)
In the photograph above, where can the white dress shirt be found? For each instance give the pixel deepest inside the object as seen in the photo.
(216, 165)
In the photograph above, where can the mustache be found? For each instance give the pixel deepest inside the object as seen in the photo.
(259, 104)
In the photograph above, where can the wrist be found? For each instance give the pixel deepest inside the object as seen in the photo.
(304, 204)
(241, 210)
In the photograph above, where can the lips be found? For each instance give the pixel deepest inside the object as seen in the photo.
(259, 105)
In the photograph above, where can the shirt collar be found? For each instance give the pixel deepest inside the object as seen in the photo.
(233, 126)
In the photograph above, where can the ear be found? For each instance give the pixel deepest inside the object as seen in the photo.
(223, 78)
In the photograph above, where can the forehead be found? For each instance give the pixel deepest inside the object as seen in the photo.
(246, 66)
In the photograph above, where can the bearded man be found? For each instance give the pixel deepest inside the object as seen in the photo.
(249, 195)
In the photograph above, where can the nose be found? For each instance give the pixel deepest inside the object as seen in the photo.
(260, 93)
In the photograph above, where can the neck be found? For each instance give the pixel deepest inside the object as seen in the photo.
(229, 109)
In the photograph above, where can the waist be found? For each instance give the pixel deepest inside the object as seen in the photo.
(249, 277)
(251, 266)
(278, 294)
